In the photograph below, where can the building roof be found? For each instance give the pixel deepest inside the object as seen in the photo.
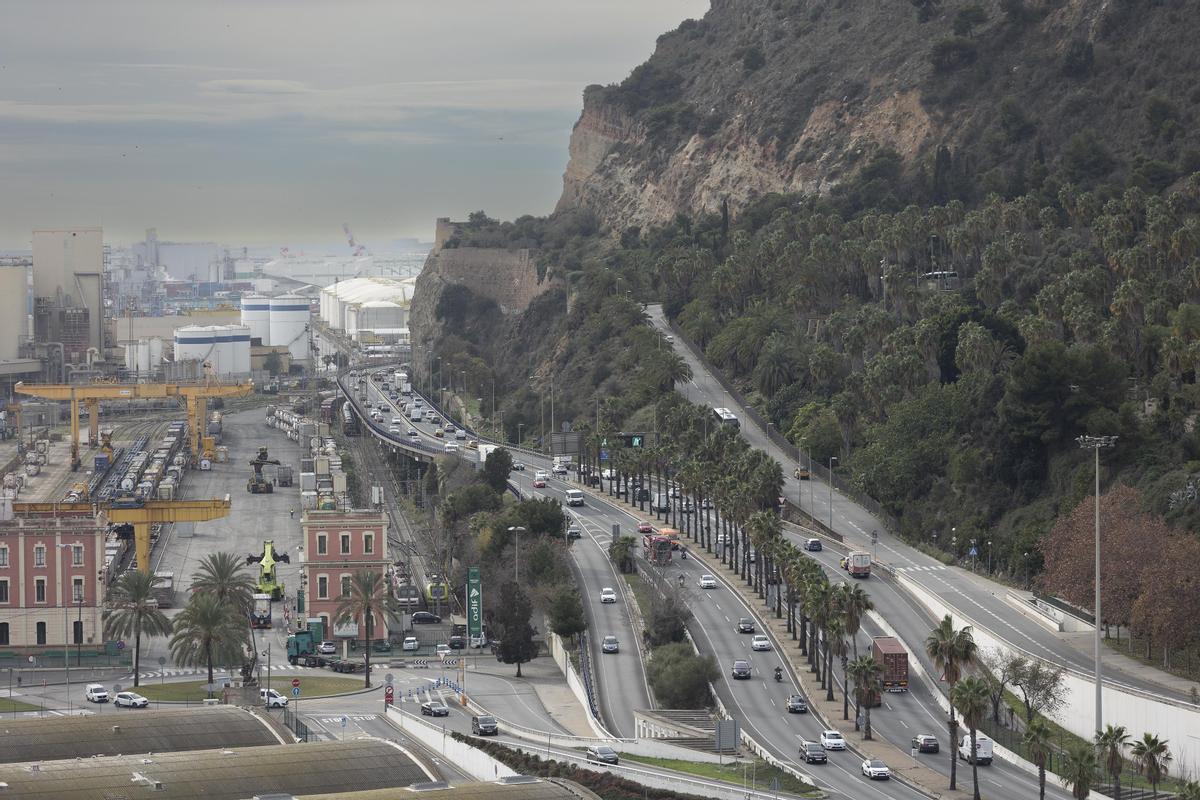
(113, 733)
(365, 290)
(331, 768)
(542, 790)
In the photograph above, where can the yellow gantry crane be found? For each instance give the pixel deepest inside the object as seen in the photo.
(196, 396)
(139, 515)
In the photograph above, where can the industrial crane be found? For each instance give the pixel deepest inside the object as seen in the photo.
(257, 483)
(268, 583)
(355, 248)
(134, 517)
(196, 396)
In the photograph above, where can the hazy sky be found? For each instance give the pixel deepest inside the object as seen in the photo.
(273, 122)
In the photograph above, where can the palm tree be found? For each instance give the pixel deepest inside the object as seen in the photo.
(1152, 756)
(367, 596)
(224, 575)
(130, 610)
(1037, 741)
(208, 632)
(951, 650)
(1079, 769)
(835, 645)
(1190, 790)
(855, 603)
(1111, 745)
(972, 698)
(867, 674)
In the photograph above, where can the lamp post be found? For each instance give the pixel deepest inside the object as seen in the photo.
(519, 439)
(516, 530)
(989, 546)
(1094, 443)
(62, 582)
(832, 459)
(974, 554)
(799, 466)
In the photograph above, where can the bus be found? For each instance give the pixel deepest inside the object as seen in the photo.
(726, 417)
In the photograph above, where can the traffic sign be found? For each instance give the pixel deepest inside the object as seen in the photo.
(389, 691)
(121, 645)
(973, 552)
(295, 682)
(162, 660)
(389, 679)
(451, 662)
(295, 691)
(344, 721)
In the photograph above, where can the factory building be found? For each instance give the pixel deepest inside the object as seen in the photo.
(368, 309)
(68, 291)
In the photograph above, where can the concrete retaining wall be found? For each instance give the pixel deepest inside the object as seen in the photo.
(561, 657)
(479, 764)
(1138, 711)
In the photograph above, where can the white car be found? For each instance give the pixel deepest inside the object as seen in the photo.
(130, 700)
(451, 447)
(327, 648)
(607, 595)
(410, 643)
(540, 475)
(876, 770)
(95, 693)
(272, 698)
(760, 642)
(394, 429)
(442, 650)
(832, 740)
(708, 581)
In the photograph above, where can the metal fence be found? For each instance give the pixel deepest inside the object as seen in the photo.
(295, 724)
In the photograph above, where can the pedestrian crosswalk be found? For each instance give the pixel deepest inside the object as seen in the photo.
(931, 568)
(181, 672)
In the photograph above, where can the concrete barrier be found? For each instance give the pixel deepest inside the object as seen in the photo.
(563, 659)
(477, 763)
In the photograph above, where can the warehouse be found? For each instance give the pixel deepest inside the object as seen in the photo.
(363, 306)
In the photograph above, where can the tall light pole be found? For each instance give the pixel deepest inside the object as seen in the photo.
(62, 582)
(831, 460)
(516, 530)
(1094, 443)
(799, 466)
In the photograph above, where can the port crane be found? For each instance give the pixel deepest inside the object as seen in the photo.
(257, 483)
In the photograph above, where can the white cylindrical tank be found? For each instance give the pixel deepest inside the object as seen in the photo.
(143, 355)
(238, 343)
(289, 318)
(194, 343)
(156, 350)
(14, 286)
(131, 356)
(256, 314)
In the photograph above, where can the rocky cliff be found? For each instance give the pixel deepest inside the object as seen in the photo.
(965, 98)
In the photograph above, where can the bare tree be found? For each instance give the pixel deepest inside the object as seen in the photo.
(1000, 669)
(1041, 688)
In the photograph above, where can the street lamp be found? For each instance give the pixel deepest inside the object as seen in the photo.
(519, 439)
(62, 579)
(517, 530)
(1094, 443)
(831, 460)
(799, 466)
(989, 546)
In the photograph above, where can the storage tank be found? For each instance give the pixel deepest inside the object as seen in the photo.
(237, 342)
(289, 318)
(143, 355)
(156, 351)
(256, 315)
(14, 313)
(194, 343)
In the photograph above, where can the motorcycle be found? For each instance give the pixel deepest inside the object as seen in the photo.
(683, 555)
(779, 674)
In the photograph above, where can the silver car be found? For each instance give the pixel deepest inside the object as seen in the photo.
(610, 645)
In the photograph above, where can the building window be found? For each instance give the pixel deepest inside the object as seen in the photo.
(345, 586)
(322, 544)
(77, 631)
(3, 591)
(323, 587)
(39, 590)
(345, 543)
(77, 555)
(77, 590)
(3, 633)
(41, 633)
(3, 556)
(39, 556)
(368, 543)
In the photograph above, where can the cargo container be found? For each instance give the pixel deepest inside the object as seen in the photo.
(308, 481)
(889, 652)
(339, 482)
(308, 500)
(283, 475)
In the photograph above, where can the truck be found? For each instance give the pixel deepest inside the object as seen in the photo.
(260, 614)
(284, 475)
(164, 589)
(983, 750)
(888, 651)
(858, 564)
(300, 645)
(485, 450)
(415, 414)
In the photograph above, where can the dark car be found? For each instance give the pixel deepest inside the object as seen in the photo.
(797, 705)
(741, 669)
(603, 754)
(434, 708)
(813, 753)
(425, 618)
(484, 726)
(381, 646)
(745, 625)
(457, 642)
(813, 545)
(925, 743)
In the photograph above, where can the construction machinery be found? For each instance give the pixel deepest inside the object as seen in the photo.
(133, 517)
(268, 583)
(257, 483)
(196, 396)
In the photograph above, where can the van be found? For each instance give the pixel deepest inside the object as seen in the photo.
(983, 750)
(484, 725)
(574, 497)
(813, 545)
(660, 502)
(271, 698)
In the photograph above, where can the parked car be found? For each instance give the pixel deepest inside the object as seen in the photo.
(271, 698)
(745, 625)
(760, 642)
(813, 753)
(797, 705)
(484, 725)
(925, 743)
(741, 669)
(708, 581)
(457, 642)
(610, 645)
(95, 693)
(381, 646)
(876, 770)
(832, 740)
(327, 648)
(410, 643)
(130, 700)
(603, 754)
(441, 649)
(425, 618)
(607, 595)
(434, 708)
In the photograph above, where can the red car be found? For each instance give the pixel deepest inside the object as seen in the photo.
(539, 483)
(645, 527)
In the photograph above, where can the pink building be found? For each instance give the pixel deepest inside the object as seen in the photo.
(51, 585)
(336, 545)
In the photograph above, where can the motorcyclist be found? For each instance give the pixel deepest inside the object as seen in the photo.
(683, 553)
(779, 674)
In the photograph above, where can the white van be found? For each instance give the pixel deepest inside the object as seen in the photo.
(983, 749)
(574, 497)
(272, 698)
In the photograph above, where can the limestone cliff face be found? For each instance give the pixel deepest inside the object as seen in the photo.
(767, 96)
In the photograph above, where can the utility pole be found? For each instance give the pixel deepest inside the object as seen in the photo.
(1094, 443)
(831, 460)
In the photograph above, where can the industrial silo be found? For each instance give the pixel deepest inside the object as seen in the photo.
(256, 313)
(238, 342)
(14, 286)
(156, 351)
(194, 343)
(289, 323)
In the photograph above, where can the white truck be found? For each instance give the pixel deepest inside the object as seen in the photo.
(485, 450)
(983, 750)
(415, 414)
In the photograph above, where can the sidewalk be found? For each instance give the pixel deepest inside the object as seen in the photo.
(550, 685)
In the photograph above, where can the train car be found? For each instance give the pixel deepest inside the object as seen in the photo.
(349, 421)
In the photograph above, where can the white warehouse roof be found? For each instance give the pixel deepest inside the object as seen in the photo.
(358, 293)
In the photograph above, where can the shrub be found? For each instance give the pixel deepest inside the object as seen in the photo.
(753, 59)
(1086, 158)
(968, 18)
(952, 54)
(1079, 58)
(679, 677)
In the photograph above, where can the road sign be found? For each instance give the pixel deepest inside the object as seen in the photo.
(162, 660)
(474, 604)
(295, 682)
(973, 552)
(727, 734)
(121, 645)
(345, 720)
(451, 662)
(603, 455)
(389, 691)
(389, 679)
(295, 691)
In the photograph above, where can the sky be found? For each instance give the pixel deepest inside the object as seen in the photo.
(274, 122)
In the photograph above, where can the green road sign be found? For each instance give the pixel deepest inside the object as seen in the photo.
(474, 605)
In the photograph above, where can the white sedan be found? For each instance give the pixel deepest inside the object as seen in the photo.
(876, 770)
(607, 595)
(708, 582)
(760, 642)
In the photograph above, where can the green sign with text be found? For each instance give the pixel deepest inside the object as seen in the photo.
(474, 605)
